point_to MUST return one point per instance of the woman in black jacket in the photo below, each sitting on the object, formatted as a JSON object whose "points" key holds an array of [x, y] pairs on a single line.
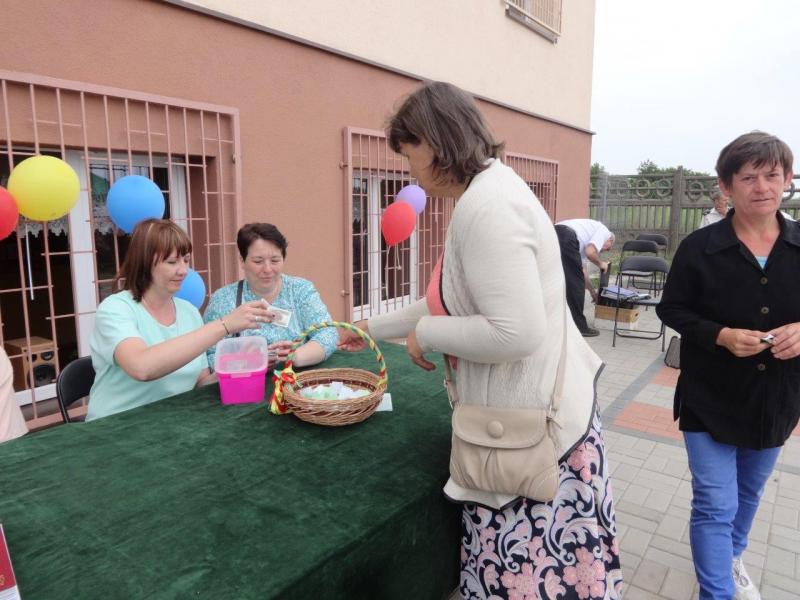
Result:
{"points": [[734, 296]]}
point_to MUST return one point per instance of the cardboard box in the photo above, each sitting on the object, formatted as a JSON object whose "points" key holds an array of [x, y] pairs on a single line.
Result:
{"points": [[626, 315]]}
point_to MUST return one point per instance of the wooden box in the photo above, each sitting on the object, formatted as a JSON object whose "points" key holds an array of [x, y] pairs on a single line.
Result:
{"points": [[626, 315]]}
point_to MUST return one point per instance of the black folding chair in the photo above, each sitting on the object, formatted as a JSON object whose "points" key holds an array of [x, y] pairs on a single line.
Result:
{"points": [[650, 266], [74, 383], [641, 247], [659, 238]]}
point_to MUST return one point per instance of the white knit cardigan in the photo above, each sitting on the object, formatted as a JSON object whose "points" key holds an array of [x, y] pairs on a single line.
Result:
{"points": [[503, 285]]}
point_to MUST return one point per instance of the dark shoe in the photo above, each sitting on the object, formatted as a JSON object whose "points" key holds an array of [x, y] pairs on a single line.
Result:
{"points": [[590, 332]]}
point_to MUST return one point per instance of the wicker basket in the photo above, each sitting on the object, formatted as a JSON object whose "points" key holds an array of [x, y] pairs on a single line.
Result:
{"points": [[287, 396]]}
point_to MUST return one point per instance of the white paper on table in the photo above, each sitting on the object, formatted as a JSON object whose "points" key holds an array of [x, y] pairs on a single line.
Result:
{"points": [[386, 403]]}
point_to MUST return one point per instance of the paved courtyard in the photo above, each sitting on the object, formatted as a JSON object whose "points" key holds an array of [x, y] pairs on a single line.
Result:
{"points": [[651, 481]]}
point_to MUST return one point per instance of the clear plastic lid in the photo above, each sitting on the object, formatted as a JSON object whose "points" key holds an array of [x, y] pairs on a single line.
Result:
{"points": [[241, 354]]}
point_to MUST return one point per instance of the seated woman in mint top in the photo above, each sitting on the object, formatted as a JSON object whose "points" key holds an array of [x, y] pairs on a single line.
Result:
{"points": [[262, 248], [147, 344]]}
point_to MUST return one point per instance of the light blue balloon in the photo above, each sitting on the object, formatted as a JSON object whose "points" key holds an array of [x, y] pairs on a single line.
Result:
{"points": [[193, 289], [132, 199]]}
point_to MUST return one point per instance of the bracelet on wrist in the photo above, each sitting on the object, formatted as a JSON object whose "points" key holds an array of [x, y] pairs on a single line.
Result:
{"points": [[227, 331]]}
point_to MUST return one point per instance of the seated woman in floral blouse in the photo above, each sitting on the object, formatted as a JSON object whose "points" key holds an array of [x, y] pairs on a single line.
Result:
{"points": [[262, 248]]}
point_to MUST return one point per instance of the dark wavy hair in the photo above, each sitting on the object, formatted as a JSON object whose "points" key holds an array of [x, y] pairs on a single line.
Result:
{"points": [[448, 119], [756, 147], [259, 231]]}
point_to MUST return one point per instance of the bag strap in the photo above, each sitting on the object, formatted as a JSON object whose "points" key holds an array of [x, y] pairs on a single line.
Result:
{"points": [[239, 293], [558, 390]]}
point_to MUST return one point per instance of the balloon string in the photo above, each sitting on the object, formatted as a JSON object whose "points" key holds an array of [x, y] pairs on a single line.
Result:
{"points": [[28, 256]]}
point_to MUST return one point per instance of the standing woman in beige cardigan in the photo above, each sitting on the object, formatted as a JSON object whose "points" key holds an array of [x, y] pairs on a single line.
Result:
{"points": [[496, 304]]}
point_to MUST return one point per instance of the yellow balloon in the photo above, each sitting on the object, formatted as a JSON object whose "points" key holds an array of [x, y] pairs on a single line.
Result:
{"points": [[45, 187]]}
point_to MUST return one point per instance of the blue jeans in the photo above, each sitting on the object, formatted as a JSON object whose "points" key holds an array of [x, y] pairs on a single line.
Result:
{"points": [[727, 483]]}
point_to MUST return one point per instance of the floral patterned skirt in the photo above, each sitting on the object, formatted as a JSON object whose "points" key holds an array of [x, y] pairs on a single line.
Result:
{"points": [[563, 549]]}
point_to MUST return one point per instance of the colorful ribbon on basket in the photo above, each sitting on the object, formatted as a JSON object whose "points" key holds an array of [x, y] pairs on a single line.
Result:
{"points": [[288, 377]]}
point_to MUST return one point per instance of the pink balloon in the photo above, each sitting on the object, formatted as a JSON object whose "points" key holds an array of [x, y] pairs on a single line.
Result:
{"points": [[9, 213], [398, 222], [413, 195]]}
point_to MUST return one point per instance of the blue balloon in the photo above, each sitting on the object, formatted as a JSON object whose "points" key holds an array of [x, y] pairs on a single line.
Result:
{"points": [[193, 289], [132, 199]]}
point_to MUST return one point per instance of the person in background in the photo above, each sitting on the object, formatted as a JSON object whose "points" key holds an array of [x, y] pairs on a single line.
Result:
{"points": [[147, 344], [294, 300], [719, 211], [582, 240], [496, 306], [12, 423], [734, 296]]}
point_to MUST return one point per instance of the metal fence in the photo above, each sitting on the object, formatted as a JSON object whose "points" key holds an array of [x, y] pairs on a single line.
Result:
{"points": [[672, 205]]}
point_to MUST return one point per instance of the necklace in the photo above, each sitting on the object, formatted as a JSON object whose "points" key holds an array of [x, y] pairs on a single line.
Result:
{"points": [[164, 317]]}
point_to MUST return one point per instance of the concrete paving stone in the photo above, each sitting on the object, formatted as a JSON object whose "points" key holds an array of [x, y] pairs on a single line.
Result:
{"points": [[752, 559], [629, 563], [658, 500], [790, 481], [671, 527], [672, 548], [676, 468], [781, 582], [635, 541], [787, 502], [780, 561], [764, 511], [760, 531], [632, 592], [634, 521], [670, 451], [640, 510], [645, 446], [655, 463], [755, 547], [625, 471], [680, 508], [755, 574], [628, 460], [649, 576], [678, 585], [636, 494], [785, 515], [784, 492], [659, 481], [785, 543], [769, 592], [684, 489], [671, 561]]}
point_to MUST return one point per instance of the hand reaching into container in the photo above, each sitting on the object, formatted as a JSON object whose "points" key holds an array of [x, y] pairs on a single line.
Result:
{"points": [[247, 316]]}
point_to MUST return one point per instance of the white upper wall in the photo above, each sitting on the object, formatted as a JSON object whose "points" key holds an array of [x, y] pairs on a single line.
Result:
{"points": [[471, 43]]}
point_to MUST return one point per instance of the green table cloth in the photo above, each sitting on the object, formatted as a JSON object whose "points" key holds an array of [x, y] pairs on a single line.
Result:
{"points": [[186, 498]]}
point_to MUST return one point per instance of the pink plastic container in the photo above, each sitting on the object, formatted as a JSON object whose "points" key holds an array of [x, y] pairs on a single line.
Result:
{"points": [[241, 365]]}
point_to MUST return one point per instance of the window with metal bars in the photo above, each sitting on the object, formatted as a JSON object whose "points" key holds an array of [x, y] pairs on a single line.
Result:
{"points": [[540, 174], [53, 275]]}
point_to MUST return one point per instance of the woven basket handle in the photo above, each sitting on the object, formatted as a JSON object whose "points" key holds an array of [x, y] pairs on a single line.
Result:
{"points": [[287, 375]]}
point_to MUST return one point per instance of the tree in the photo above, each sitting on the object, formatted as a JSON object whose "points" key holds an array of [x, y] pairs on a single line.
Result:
{"points": [[648, 167], [597, 168]]}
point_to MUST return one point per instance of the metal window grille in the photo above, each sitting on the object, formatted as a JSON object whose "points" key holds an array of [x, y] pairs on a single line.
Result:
{"points": [[54, 274], [544, 13], [379, 278], [540, 174]]}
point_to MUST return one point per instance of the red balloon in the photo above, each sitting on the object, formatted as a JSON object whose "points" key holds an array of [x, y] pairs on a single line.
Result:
{"points": [[398, 222], [9, 213]]}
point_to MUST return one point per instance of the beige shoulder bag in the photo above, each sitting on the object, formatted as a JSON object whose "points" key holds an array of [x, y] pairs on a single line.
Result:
{"points": [[506, 450]]}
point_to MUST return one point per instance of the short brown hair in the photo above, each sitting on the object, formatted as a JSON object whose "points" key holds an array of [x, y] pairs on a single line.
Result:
{"points": [[447, 118], [259, 231], [152, 241], [756, 147]]}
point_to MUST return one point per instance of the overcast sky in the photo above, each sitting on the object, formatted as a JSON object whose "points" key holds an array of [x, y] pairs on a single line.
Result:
{"points": [[676, 81]]}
